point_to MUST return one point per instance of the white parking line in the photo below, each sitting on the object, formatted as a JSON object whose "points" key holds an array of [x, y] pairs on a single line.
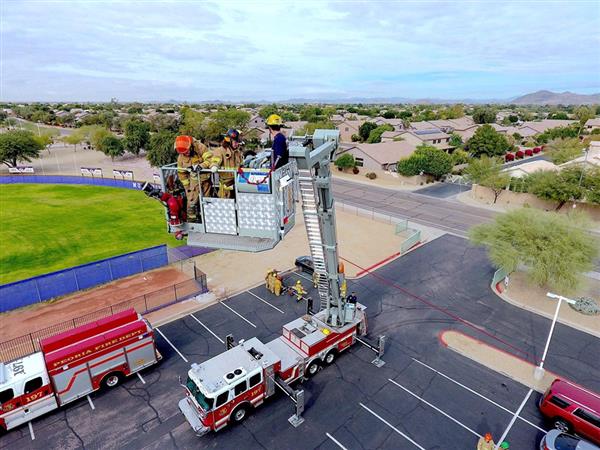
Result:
{"points": [[31, 433], [91, 402], [336, 441], [171, 344], [264, 301], [140, 377], [514, 418], [436, 408], [237, 314], [207, 329], [478, 394], [393, 427]]}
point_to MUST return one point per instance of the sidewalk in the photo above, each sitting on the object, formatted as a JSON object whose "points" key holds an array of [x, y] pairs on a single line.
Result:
{"points": [[532, 298], [383, 180]]}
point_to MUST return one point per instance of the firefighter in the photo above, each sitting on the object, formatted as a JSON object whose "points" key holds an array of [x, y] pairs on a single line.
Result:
{"points": [[189, 159], [352, 298], [228, 156], [277, 285], [486, 442], [343, 288], [269, 280], [280, 153], [299, 290]]}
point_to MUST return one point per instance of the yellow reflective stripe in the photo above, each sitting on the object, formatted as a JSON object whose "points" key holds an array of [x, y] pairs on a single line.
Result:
{"points": [[185, 181]]}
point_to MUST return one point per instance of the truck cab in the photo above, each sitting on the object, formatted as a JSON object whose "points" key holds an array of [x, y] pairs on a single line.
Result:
{"points": [[225, 388], [25, 391]]}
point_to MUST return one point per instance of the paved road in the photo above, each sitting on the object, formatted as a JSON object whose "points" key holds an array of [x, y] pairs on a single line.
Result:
{"points": [[518, 162], [448, 215], [352, 402]]}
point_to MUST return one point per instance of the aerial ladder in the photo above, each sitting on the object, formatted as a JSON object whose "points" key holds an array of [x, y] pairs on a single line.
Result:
{"points": [[224, 388]]}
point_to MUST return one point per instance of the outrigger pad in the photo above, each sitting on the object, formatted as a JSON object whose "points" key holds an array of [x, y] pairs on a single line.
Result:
{"points": [[230, 242]]}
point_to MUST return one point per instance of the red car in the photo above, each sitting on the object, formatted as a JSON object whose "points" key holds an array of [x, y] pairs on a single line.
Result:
{"points": [[571, 408]]}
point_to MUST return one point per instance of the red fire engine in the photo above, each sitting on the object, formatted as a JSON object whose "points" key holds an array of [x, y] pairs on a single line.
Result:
{"points": [[225, 388], [73, 364]]}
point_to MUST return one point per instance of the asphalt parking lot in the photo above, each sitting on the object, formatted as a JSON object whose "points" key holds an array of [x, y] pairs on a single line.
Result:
{"points": [[426, 396]]}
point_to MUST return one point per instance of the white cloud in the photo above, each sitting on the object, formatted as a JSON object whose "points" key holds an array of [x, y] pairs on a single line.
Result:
{"points": [[151, 50]]}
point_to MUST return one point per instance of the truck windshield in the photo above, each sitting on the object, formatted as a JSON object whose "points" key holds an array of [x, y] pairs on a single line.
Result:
{"points": [[205, 402]]}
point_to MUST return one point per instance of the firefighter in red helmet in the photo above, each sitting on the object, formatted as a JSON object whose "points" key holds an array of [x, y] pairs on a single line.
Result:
{"points": [[189, 160]]}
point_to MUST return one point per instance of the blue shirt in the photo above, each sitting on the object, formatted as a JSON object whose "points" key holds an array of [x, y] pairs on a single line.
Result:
{"points": [[280, 154]]}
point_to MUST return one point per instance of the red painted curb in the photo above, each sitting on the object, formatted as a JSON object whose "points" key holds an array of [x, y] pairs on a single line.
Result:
{"points": [[374, 266]]}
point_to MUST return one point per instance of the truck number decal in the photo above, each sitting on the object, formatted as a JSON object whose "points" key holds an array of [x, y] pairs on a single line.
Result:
{"points": [[18, 368]]}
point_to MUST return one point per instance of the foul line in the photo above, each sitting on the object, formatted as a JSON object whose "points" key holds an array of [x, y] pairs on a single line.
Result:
{"points": [[436, 408], [264, 301], [393, 427], [336, 441], [237, 314], [514, 418], [207, 329], [477, 394], [171, 344]]}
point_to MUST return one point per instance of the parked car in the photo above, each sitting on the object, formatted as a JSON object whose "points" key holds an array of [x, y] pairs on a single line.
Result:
{"points": [[557, 440], [305, 264], [571, 408]]}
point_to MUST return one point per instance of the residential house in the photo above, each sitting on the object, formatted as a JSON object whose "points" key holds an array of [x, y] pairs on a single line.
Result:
{"points": [[347, 128], [590, 160], [256, 122], [592, 124], [546, 124], [387, 136], [382, 156], [293, 126]]}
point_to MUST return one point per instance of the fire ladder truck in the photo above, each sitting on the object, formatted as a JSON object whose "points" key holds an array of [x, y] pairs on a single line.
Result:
{"points": [[227, 387], [73, 364]]}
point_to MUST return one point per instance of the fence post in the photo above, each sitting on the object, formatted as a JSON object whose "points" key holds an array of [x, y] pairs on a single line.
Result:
{"points": [[37, 289]]}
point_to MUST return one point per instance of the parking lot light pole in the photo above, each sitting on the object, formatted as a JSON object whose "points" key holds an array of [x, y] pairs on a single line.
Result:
{"points": [[538, 372]]}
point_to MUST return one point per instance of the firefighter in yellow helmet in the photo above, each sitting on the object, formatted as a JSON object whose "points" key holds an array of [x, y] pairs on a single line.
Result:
{"points": [[189, 160], [228, 156], [280, 153], [299, 290]]}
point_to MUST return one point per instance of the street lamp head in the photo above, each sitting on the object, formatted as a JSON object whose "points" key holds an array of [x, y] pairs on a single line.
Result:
{"points": [[560, 297]]}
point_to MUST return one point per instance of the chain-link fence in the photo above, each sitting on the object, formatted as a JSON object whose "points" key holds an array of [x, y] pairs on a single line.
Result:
{"points": [[45, 287], [143, 304]]}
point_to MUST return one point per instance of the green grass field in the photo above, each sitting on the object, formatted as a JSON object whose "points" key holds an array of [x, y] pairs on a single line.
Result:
{"points": [[44, 228]]}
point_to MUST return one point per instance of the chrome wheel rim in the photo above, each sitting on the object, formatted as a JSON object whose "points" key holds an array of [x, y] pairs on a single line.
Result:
{"points": [[112, 381]]}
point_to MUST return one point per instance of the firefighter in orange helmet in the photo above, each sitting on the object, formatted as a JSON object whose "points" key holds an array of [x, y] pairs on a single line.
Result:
{"points": [[228, 156], [189, 160], [486, 442]]}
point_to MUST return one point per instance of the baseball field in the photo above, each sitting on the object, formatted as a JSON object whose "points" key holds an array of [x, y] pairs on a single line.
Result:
{"points": [[44, 228]]}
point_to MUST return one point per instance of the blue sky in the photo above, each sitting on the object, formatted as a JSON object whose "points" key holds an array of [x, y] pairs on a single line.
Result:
{"points": [[276, 50]]}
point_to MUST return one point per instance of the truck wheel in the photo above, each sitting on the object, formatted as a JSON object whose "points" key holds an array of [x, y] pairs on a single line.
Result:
{"points": [[330, 357], [240, 413], [112, 380], [561, 425], [312, 369]]}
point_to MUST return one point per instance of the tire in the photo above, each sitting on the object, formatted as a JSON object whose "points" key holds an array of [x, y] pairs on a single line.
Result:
{"points": [[240, 413], [112, 380], [561, 425], [330, 357], [312, 369]]}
